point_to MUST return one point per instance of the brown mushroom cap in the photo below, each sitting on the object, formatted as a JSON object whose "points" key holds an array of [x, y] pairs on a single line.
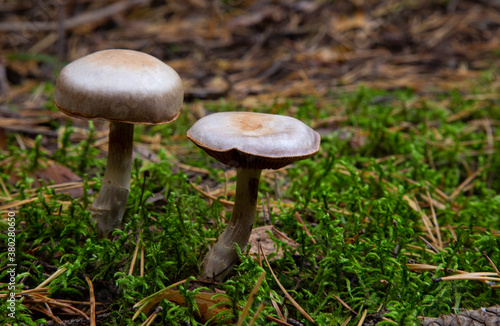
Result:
{"points": [[254, 140], [120, 85]]}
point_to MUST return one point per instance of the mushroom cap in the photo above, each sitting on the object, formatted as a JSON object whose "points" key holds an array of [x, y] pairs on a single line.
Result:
{"points": [[254, 140], [120, 85]]}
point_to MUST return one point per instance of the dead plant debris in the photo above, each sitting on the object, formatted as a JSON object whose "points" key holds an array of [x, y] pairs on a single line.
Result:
{"points": [[483, 316], [259, 51]]}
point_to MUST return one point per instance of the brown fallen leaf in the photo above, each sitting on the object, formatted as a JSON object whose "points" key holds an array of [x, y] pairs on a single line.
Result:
{"points": [[206, 303], [209, 304], [54, 173], [261, 234]]}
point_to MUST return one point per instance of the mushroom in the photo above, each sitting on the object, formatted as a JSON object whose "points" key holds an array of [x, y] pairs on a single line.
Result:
{"points": [[250, 142], [124, 87]]}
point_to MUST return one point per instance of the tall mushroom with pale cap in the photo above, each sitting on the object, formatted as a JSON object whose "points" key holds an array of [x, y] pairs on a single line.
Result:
{"points": [[249, 142], [124, 87]]}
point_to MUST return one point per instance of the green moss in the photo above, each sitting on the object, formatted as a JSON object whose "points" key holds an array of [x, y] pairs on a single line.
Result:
{"points": [[394, 149]]}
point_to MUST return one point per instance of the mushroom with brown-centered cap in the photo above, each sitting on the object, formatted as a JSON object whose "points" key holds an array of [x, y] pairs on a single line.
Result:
{"points": [[249, 142], [125, 87]]}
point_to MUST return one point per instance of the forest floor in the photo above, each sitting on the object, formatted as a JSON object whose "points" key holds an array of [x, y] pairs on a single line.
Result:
{"points": [[395, 221]]}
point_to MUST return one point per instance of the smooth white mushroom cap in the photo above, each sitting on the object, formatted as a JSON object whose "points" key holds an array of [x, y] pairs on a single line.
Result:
{"points": [[254, 140], [120, 85]]}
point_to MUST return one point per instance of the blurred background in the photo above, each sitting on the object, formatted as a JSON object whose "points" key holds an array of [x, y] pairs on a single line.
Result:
{"points": [[261, 51]]}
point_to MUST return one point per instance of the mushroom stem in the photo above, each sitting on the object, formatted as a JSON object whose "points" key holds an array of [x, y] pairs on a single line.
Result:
{"points": [[109, 206], [222, 256]]}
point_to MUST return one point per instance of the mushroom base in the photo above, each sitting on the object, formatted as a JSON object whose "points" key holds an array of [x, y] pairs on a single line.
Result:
{"points": [[108, 208], [223, 255]]}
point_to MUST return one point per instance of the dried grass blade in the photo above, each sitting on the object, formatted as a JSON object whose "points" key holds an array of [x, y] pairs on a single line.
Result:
{"points": [[192, 168], [52, 277], [389, 320], [136, 250], [428, 244], [142, 261], [346, 321], [463, 277], [21, 203], [92, 301], [79, 302], [251, 297], [144, 302], [152, 317], [257, 314], [277, 321], [47, 312], [206, 194], [421, 267], [421, 248], [345, 304], [276, 306], [493, 265], [37, 289], [287, 295], [60, 304], [304, 226], [436, 225], [5, 190], [363, 316], [425, 220], [479, 276], [466, 182]]}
